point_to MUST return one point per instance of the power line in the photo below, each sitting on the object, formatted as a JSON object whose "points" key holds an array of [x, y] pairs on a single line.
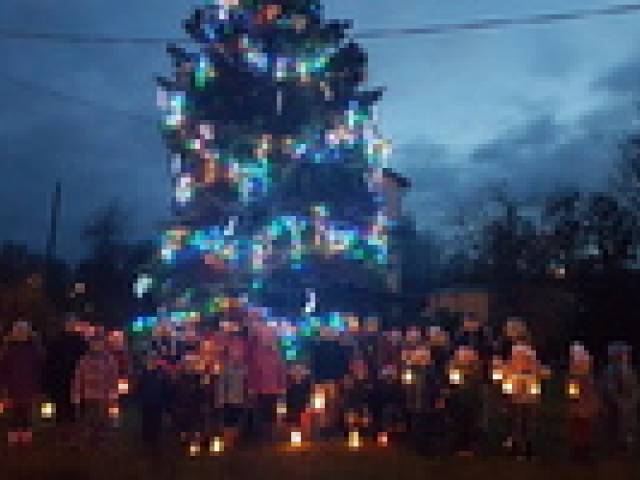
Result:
{"points": [[498, 23], [60, 95], [376, 33]]}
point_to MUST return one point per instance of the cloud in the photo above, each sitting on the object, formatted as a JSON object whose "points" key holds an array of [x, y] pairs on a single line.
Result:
{"points": [[97, 153], [440, 179], [100, 155], [552, 54], [622, 80], [532, 159]]}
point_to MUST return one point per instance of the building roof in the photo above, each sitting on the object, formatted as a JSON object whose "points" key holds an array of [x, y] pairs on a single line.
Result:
{"points": [[401, 180]]}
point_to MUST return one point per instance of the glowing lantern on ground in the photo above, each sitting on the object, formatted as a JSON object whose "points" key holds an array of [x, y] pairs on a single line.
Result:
{"points": [[48, 410], [296, 438], [383, 439], [194, 449], [354, 441], [573, 390], [216, 445]]}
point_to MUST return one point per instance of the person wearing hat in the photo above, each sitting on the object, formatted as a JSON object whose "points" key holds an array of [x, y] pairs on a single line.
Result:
{"points": [[621, 395], [20, 377]]}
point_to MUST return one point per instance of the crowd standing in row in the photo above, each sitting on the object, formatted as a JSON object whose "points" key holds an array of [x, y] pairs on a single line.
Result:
{"points": [[440, 392]]}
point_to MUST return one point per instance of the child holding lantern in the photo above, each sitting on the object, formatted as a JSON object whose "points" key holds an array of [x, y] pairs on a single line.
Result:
{"points": [[465, 379], [522, 385], [584, 404]]}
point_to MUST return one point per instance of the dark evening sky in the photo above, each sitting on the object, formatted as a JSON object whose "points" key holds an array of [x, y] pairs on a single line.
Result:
{"points": [[537, 106]]}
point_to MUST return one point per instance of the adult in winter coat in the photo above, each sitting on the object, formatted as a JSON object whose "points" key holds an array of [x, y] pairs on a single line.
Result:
{"points": [[62, 356], [20, 377]]}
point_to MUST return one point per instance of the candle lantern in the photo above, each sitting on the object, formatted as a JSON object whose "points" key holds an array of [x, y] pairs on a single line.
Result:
{"points": [[573, 390], [507, 387], [318, 400], [296, 438], [455, 376], [194, 449], [216, 445], [281, 408], [48, 410], [123, 386], [408, 377], [535, 387], [354, 440], [114, 414]]}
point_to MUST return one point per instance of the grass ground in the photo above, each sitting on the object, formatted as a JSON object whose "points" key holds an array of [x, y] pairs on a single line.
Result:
{"points": [[326, 461], [121, 458]]}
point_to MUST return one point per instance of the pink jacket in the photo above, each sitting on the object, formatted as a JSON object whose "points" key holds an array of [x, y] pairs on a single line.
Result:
{"points": [[96, 378], [267, 374]]}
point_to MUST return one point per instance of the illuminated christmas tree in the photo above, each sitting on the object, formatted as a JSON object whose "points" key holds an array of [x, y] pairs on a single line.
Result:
{"points": [[277, 169]]}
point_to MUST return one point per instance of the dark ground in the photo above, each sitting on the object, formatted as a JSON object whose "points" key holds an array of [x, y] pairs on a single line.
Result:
{"points": [[122, 458], [327, 461]]}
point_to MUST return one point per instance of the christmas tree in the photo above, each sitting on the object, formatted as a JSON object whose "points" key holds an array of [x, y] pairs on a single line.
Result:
{"points": [[277, 169]]}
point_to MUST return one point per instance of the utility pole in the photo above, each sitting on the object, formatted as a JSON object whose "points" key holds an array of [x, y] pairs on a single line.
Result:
{"points": [[53, 223]]}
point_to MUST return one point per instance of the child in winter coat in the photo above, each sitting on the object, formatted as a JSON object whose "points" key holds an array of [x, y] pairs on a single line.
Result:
{"points": [[95, 389], [266, 379], [465, 379], [522, 386], [584, 403], [621, 395], [154, 396], [231, 392]]}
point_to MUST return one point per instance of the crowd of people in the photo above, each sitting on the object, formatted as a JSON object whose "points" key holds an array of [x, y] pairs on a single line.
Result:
{"points": [[441, 392]]}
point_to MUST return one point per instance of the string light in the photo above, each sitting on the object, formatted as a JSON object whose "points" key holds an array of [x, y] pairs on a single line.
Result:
{"points": [[245, 171]]}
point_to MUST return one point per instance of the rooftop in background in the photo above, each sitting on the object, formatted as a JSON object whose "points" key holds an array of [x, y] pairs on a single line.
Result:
{"points": [[401, 181]]}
